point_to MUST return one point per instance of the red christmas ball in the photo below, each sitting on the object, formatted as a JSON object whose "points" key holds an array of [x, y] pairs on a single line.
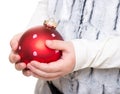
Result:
{"points": [[32, 46]]}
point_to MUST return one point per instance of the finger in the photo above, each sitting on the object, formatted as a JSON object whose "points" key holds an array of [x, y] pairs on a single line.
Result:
{"points": [[45, 78], [14, 44], [49, 68], [14, 57], [20, 66], [27, 72], [14, 41], [42, 73], [57, 44]]}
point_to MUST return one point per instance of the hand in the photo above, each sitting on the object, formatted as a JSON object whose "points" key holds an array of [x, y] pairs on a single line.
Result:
{"points": [[56, 69], [14, 57]]}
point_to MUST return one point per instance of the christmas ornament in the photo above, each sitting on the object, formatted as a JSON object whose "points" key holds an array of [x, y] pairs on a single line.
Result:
{"points": [[32, 44]]}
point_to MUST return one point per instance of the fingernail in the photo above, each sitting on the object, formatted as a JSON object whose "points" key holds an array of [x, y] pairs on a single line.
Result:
{"points": [[33, 62], [48, 42], [29, 65]]}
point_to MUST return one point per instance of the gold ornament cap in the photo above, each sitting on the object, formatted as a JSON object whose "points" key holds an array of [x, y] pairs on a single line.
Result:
{"points": [[50, 23]]}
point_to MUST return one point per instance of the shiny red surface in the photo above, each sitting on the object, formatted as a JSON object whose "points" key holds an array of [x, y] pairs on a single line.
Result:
{"points": [[32, 45]]}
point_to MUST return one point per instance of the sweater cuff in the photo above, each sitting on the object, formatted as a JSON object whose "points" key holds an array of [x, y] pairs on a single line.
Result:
{"points": [[97, 54], [80, 53]]}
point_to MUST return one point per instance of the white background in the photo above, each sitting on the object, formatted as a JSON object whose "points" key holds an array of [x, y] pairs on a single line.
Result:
{"points": [[14, 17]]}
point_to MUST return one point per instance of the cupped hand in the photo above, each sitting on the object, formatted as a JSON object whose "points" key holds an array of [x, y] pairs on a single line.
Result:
{"points": [[15, 58], [56, 69]]}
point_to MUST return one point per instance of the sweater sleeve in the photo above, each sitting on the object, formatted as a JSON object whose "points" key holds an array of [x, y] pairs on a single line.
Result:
{"points": [[97, 54], [40, 14]]}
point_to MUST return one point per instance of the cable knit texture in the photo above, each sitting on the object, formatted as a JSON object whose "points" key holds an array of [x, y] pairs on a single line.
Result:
{"points": [[92, 20]]}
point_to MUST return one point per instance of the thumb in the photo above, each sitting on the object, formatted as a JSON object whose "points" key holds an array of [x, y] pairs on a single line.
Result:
{"points": [[56, 44]]}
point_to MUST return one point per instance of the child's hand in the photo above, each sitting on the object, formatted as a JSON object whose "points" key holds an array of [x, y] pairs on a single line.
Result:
{"points": [[56, 69], [45, 71], [14, 57]]}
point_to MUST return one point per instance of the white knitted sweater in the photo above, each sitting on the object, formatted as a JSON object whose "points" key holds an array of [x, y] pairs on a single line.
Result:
{"points": [[90, 20]]}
